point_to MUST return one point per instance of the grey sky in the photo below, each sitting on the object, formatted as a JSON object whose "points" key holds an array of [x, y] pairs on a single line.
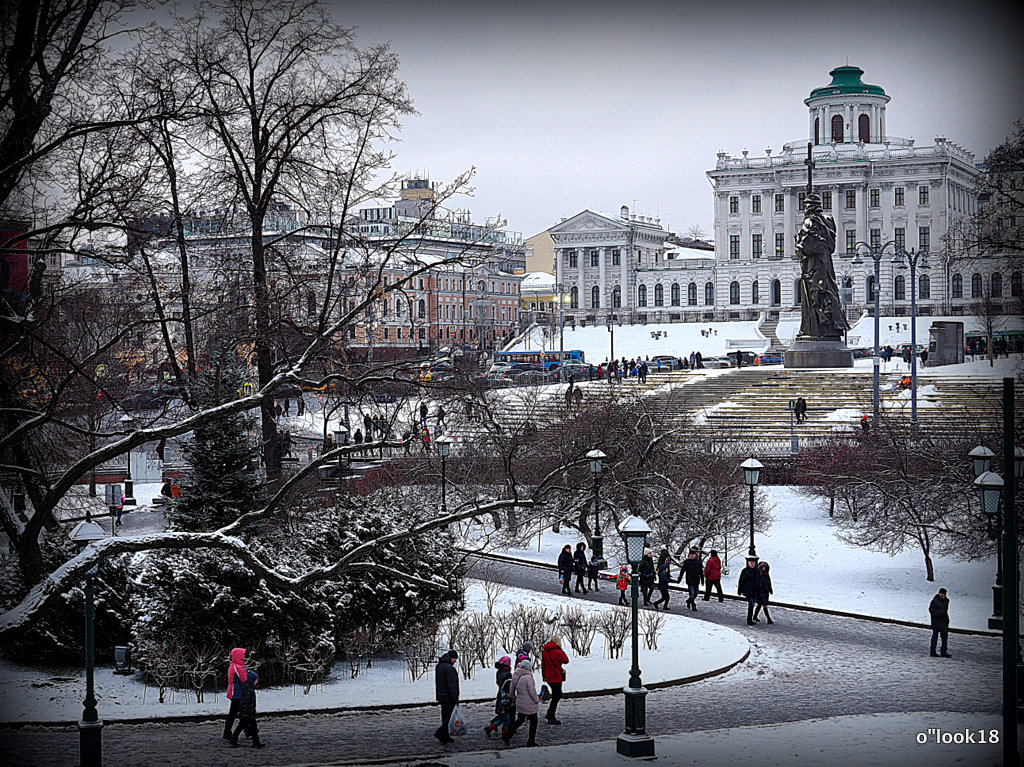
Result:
{"points": [[564, 106]]}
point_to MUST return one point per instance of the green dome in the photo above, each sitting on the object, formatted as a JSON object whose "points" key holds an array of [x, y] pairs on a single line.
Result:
{"points": [[847, 80]]}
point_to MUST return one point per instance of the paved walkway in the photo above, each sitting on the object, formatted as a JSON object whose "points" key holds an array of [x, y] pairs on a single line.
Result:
{"points": [[806, 666]]}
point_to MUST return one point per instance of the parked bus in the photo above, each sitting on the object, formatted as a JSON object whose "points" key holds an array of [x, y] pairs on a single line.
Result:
{"points": [[549, 359]]}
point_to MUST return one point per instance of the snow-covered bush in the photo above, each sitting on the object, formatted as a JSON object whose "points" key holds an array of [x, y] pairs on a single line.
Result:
{"points": [[614, 624], [579, 628]]}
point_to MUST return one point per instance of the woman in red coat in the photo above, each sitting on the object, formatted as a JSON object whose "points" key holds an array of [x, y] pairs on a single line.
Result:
{"points": [[552, 660], [713, 576]]}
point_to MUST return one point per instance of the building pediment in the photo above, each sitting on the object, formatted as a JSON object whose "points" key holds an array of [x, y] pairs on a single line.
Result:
{"points": [[587, 221]]}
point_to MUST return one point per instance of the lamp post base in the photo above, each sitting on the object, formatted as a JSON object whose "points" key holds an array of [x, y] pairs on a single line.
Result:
{"points": [[597, 546], [635, 746], [90, 743]]}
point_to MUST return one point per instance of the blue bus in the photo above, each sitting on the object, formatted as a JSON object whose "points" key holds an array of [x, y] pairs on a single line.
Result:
{"points": [[549, 359]]}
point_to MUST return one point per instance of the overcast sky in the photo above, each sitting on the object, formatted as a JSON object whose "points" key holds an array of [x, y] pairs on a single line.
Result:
{"points": [[563, 106]]}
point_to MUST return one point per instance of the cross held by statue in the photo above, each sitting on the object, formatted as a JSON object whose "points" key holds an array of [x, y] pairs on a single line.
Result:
{"points": [[809, 162]]}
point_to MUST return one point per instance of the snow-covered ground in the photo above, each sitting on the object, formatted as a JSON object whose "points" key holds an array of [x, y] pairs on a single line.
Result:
{"points": [[685, 648], [874, 740]]}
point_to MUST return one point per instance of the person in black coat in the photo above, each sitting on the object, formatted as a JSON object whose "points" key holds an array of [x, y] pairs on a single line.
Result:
{"points": [[446, 689], [247, 712], [748, 587], [646, 571], [579, 566], [939, 611], [693, 571], [764, 588], [800, 409], [565, 568]]}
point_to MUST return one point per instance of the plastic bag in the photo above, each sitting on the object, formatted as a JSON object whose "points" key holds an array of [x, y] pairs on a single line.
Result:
{"points": [[457, 724]]}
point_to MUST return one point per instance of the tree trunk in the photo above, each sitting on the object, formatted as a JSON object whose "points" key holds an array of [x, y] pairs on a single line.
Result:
{"points": [[264, 362]]}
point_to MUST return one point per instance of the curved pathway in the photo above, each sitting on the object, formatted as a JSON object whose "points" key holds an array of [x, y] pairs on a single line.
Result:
{"points": [[806, 666]]}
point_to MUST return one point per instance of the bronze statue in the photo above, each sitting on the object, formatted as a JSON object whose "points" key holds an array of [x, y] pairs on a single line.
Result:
{"points": [[821, 311]]}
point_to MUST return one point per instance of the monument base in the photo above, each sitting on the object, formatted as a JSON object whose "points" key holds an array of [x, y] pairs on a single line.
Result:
{"points": [[818, 353]]}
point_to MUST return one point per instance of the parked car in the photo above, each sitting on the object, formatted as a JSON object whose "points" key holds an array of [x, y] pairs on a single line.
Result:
{"points": [[719, 362], [667, 362], [499, 382], [747, 357], [861, 353], [579, 371], [768, 358], [534, 378]]}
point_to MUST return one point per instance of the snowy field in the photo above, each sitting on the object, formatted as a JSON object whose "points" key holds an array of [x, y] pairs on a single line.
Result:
{"points": [[686, 648]]}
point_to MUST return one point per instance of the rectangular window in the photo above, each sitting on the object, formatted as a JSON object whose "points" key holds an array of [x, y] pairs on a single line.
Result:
{"points": [[922, 195], [780, 244], [901, 237], [755, 204], [800, 200], [734, 246], [572, 259], [594, 258], [387, 333], [851, 240], [851, 199], [826, 200], [873, 198], [616, 258], [734, 205], [924, 237], [898, 200], [756, 245], [398, 334], [780, 203], [876, 238]]}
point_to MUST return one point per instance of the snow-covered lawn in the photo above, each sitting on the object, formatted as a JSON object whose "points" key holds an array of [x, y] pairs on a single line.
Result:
{"points": [[686, 648]]}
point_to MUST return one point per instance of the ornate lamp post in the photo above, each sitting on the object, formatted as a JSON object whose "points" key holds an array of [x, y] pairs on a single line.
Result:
{"points": [[634, 740], [981, 461], [90, 728], [596, 458], [876, 256], [913, 259], [129, 488], [751, 474], [444, 447]]}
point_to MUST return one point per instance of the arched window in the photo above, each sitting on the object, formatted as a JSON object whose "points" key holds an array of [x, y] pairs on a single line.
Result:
{"points": [[1016, 286], [976, 286], [659, 295], [734, 292], [616, 297], [755, 293], [709, 294], [996, 282], [422, 308], [899, 288], [924, 287], [641, 296], [675, 294], [311, 305], [817, 130], [595, 297], [837, 129], [691, 294], [574, 298], [864, 128], [958, 286], [776, 293], [869, 288]]}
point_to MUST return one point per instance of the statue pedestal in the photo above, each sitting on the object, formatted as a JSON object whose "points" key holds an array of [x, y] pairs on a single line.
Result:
{"points": [[818, 353]]}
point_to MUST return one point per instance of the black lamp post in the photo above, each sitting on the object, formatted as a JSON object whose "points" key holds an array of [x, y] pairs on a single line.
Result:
{"points": [[129, 487], [751, 474], [876, 256], [444, 447], [596, 458], [90, 728], [981, 461], [913, 259], [634, 740]]}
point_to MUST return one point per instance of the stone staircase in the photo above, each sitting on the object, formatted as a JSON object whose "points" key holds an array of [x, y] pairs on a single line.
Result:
{"points": [[768, 328]]}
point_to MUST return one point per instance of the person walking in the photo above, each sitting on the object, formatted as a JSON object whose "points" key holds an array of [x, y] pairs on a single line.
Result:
{"points": [[524, 652], [502, 678], [300, 406], [368, 427], [621, 583], [237, 674], [764, 589], [593, 572], [939, 611], [579, 566], [694, 575], [647, 573], [800, 409], [565, 564], [552, 659], [446, 692], [713, 576], [440, 417], [247, 713], [423, 413], [664, 574], [748, 587], [527, 702]]}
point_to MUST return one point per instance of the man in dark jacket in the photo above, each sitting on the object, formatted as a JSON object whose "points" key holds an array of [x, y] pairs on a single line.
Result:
{"points": [[646, 571], [565, 569], [939, 609], [749, 587], [446, 688], [579, 566], [694, 574], [713, 576]]}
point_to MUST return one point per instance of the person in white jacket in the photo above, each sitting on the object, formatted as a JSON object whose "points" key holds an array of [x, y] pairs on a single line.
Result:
{"points": [[524, 690]]}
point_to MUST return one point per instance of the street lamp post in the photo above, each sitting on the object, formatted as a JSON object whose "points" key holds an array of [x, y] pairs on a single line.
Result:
{"points": [[90, 728], [981, 461], [751, 474], [794, 444], [444, 446], [634, 740], [912, 259], [876, 256], [129, 488], [596, 458]]}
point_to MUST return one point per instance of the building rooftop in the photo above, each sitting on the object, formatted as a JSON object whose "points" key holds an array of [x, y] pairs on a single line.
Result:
{"points": [[846, 79]]}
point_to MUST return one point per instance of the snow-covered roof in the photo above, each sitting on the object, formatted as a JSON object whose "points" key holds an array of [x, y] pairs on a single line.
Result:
{"points": [[537, 281], [678, 252]]}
